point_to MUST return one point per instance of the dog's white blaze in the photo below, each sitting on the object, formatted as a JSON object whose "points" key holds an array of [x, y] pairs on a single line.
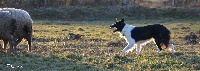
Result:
{"points": [[126, 34]]}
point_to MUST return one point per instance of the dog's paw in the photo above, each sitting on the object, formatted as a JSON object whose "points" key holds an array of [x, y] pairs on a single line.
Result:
{"points": [[122, 52]]}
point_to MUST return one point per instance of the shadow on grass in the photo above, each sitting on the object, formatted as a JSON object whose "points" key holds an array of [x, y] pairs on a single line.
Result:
{"points": [[31, 61], [117, 62], [190, 59]]}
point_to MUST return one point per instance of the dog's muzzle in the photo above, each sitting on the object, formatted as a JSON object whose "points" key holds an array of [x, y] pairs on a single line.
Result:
{"points": [[112, 26]]}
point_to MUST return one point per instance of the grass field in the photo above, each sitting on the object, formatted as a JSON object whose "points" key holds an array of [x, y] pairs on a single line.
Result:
{"points": [[99, 50]]}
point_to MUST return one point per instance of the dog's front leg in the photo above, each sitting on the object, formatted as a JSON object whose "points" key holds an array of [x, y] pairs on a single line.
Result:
{"points": [[171, 46], [128, 47], [131, 43], [158, 51]]}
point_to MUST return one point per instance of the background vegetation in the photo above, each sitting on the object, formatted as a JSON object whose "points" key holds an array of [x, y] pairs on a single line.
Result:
{"points": [[58, 3], [88, 13], [98, 49], [89, 10]]}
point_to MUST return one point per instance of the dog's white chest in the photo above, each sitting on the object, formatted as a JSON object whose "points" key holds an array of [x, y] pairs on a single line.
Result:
{"points": [[126, 32]]}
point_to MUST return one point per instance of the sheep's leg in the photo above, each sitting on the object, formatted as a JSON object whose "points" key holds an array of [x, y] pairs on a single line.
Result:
{"points": [[29, 45], [10, 50], [11, 47], [14, 46], [28, 30], [29, 42], [12, 42], [29, 39], [5, 44]]}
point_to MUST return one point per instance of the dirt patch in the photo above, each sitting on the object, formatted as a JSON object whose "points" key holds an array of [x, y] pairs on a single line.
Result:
{"points": [[115, 44], [73, 36], [185, 29], [41, 31], [81, 29], [97, 40], [64, 30], [198, 32], [191, 38]]}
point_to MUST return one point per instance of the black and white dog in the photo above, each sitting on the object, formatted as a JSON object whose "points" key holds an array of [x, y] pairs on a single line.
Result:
{"points": [[136, 37]]}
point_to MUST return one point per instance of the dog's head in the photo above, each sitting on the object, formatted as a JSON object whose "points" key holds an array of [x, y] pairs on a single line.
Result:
{"points": [[119, 25]]}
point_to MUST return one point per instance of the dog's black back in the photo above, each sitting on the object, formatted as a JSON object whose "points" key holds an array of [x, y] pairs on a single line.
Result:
{"points": [[160, 33], [150, 31]]}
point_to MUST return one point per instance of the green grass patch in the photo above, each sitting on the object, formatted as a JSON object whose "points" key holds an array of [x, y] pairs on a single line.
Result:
{"points": [[52, 50]]}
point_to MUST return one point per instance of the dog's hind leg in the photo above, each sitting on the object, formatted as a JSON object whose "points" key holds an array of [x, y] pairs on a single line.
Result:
{"points": [[171, 46], [139, 47]]}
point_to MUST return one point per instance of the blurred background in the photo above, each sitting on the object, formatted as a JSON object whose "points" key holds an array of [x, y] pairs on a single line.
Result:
{"points": [[74, 35], [88, 10]]}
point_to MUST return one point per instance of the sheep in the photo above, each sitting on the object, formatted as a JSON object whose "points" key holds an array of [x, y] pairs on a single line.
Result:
{"points": [[24, 26], [8, 29]]}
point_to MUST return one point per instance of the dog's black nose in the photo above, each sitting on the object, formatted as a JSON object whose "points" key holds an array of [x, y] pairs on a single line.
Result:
{"points": [[112, 25]]}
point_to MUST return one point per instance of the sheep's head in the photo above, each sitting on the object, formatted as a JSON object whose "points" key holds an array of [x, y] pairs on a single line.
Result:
{"points": [[28, 29]]}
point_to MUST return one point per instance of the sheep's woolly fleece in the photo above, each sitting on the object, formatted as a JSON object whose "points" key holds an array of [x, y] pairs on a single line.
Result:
{"points": [[22, 19], [7, 29], [6, 25]]}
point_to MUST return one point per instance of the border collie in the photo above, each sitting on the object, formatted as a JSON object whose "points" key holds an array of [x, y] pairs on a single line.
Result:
{"points": [[136, 37]]}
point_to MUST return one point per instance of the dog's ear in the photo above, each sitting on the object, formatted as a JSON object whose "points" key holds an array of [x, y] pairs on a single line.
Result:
{"points": [[122, 20]]}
